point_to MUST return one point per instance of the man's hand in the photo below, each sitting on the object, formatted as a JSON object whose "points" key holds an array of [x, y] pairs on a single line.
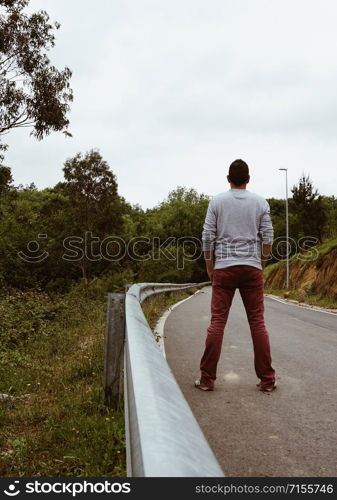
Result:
{"points": [[208, 256], [266, 251], [210, 274]]}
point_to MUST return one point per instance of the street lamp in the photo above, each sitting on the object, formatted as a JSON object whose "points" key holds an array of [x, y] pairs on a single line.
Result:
{"points": [[287, 226]]}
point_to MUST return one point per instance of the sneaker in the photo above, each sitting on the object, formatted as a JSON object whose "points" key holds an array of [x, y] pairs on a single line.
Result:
{"points": [[202, 387], [269, 388]]}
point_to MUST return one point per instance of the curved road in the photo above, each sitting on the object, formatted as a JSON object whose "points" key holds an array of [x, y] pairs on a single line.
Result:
{"points": [[290, 432]]}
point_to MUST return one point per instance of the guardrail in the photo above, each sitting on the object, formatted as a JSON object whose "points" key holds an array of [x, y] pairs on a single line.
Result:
{"points": [[163, 438]]}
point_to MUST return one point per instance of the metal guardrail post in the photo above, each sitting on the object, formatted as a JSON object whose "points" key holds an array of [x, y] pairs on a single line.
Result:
{"points": [[114, 348]]}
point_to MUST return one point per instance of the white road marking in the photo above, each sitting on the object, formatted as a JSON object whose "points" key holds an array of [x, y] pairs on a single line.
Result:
{"points": [[231, 377], [158, 330], [303, 306]]}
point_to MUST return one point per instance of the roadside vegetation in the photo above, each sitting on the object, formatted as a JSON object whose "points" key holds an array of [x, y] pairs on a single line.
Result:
{"points": [[52, 419], [310, 299], [312, 276]]}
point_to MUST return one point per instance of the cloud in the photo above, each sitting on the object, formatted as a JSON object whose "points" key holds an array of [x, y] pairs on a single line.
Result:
{"points": [[172, 91]]}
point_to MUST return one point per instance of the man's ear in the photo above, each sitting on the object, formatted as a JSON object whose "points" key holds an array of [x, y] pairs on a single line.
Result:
{"points": [[228, 179], [248, 179]]}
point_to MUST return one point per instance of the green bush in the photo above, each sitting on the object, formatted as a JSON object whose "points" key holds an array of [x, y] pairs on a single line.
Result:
{"points": [[25, 315]]}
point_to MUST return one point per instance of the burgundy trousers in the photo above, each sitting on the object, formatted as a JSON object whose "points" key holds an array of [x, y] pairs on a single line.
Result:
{"points": [[249, 281]]}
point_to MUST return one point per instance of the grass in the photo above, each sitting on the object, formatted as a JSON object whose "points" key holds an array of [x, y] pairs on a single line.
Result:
{"points": [[327, 246], [155, 305], [51, 362], [272, 267], [303, 294], [323, 249], [56, 425]]}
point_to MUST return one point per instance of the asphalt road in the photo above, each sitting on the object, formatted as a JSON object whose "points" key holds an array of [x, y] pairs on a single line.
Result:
{"points": [[290, 432]]}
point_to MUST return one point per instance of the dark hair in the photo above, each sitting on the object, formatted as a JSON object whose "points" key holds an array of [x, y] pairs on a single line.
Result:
{"points": [[238, 172]]}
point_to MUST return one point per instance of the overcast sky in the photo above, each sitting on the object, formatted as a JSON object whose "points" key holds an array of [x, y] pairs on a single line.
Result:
{"points": [[172, 91]]}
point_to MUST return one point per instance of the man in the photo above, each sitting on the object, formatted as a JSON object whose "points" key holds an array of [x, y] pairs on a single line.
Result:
{"points": [[238, 232]]}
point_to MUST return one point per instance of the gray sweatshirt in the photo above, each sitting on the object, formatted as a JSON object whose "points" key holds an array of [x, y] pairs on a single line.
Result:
{"points": [[236, 225]]}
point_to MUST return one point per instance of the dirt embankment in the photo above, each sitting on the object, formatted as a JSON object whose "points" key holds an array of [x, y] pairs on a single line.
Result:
{"points": [[318, 276]]}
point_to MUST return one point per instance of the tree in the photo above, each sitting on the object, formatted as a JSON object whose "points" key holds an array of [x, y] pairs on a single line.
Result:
{"points": [[20, 223], [330, 204], [33, 93], [181, 217], [181, 214], [94, 206], [92, 188], [310, 216], [5, 179], [7, 192]]}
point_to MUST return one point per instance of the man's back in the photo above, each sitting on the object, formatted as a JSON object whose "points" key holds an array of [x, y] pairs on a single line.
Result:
{"points": [[237, 222]]}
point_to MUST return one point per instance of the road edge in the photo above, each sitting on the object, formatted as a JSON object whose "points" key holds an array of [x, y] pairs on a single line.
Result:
{"points": [[292, 302], [158, 330]]}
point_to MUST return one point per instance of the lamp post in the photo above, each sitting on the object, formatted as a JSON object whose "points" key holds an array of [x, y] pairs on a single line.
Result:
{"points": [[287, 227]]}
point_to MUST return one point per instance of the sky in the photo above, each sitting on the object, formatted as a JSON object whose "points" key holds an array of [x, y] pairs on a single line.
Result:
{"points": [[171, 92]]}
